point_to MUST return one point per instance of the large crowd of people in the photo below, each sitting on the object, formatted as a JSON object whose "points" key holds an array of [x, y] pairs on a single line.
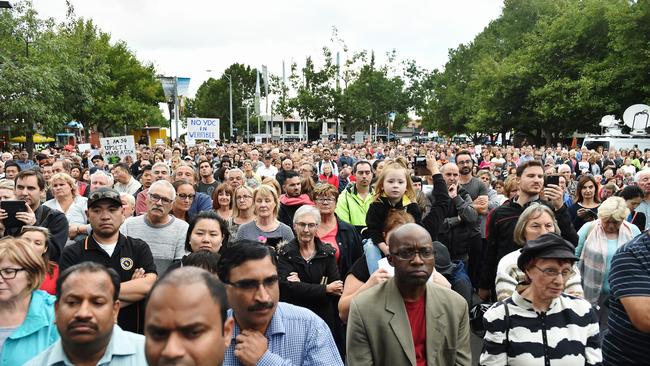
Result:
{"points": [[325, 253]]}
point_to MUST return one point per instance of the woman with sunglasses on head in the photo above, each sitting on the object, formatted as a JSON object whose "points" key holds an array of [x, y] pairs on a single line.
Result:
{"points": [[185, 194], [26, 313], [541, 325]]}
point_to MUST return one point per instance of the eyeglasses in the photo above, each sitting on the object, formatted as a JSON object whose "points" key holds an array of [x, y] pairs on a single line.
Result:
{"points": [[155, 198], [303, 225], [552, 273], [183, 196], [409, 254], [325, 200], [40, 229], [250, 285], [10, 273], [243, 198]]}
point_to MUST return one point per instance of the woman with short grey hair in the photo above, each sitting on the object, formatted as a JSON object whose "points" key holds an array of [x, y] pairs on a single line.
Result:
{"points": [[309, 276]]}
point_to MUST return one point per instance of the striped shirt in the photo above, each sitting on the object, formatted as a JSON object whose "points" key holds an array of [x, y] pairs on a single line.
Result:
{"points": [[629, 276], [567, 334], [510, 278]]}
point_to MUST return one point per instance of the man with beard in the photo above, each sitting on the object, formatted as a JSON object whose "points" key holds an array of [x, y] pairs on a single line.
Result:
{"points": [[30, 185], [130, 257], [502, 221], [460, 230], [353, 203], [86, 309], [480, 201], [408, 320], [164, 233], [292, 200], [266, 331], [186, 321], [207, 184]]}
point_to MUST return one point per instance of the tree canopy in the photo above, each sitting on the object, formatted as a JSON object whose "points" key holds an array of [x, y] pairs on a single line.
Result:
{"points": [[54, 73]]}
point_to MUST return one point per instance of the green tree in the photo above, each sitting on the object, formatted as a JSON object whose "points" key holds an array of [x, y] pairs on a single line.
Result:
{"points": [[212, 97]]}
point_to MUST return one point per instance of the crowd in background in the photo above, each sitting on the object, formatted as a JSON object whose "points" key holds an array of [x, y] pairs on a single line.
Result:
{"points": [[550, 235]]}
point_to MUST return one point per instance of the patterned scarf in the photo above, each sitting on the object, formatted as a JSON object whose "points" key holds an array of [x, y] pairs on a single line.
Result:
{"points": [[593, 259]]}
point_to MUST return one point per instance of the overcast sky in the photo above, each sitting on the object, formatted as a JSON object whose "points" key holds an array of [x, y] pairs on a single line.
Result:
{"points": [[188, 37]]}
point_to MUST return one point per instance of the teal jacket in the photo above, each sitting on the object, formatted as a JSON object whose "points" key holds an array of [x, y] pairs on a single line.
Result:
{"points": [[37, 332]]}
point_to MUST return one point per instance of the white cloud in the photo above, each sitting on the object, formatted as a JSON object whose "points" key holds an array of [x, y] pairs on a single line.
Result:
{"points": [[185, 38]]}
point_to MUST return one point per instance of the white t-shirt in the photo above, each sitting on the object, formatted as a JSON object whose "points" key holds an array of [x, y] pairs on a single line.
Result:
{"points": [[108, 248]]}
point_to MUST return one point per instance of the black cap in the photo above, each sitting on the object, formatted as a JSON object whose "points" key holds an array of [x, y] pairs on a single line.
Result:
{"points": [[548, 246], [268, 157], [443, 259], [97, 157], [104, 193]]}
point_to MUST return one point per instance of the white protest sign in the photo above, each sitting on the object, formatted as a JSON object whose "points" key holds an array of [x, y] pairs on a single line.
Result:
{"points": [[202, 129], [258, 139], [84, 147], [119, 146]]}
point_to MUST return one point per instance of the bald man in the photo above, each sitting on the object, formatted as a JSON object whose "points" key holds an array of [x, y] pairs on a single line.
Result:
{"points": [[438, 331]]}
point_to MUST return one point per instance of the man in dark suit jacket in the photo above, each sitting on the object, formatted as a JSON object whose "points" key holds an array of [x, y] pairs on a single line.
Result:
{"points": [[408, 319]]}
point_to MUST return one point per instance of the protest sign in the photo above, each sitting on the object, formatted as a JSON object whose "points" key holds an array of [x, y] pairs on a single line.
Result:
{"points": [[202, 129], [118, 147], [84, 147]]}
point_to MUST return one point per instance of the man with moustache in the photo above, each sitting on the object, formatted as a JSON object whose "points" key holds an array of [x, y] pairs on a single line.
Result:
{"points": [[86, 310], [408, 320], [164, 233], [130, 257], [268, 332], [502, 220], [186, 321], [159, 171]]}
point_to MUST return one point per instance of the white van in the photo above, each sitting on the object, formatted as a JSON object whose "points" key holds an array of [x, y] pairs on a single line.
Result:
{"points": [[618, 142]]}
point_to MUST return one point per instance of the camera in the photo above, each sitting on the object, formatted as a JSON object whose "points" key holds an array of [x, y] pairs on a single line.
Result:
{"points": [[420, 161]]}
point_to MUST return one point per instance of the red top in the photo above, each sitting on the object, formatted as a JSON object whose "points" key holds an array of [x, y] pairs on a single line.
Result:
{"points": [[417, 319], [49, 283], [330, 238], [332, 179]]}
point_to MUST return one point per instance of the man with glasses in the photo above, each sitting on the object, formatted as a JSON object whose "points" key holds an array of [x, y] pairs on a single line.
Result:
{"points": [[408, 320], [159, 171], [266, 331], [354, 201], [164, 233], [130, 257]]}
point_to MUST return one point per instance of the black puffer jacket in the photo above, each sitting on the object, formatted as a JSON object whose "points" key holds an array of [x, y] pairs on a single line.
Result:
{"points": [[314, 275], [500, 230], [460, 226], [350, 246]]}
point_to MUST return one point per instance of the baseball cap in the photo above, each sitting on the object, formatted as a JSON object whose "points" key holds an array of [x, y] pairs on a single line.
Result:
{"points": [[104, 194]]}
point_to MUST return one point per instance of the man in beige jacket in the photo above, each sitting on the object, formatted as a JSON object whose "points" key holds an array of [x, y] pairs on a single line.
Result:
{"points": [[408, 320]]}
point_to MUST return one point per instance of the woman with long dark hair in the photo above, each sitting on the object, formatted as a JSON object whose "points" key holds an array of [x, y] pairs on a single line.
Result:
{"points": [[585, 207]]}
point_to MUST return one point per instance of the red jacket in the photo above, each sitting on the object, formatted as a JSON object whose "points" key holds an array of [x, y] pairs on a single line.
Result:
{"points": [[332, 179]]}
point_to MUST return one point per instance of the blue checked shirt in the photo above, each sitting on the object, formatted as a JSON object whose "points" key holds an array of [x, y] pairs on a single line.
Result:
{"points": [[296, 337]]}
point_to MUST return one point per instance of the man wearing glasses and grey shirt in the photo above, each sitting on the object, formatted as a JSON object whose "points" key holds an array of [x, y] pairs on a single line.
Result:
{"points": [[164, 233]]}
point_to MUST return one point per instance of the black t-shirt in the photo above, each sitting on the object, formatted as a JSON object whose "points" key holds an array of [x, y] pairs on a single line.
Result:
{"points": [[360, 269], [129, 255]]}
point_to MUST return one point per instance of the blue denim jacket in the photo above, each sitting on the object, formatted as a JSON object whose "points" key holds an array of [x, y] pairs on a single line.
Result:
{"points": [[37, 332]]}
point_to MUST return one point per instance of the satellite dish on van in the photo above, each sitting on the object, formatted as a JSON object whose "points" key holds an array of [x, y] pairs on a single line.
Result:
{"points": [[636, 117], [608, 121]]}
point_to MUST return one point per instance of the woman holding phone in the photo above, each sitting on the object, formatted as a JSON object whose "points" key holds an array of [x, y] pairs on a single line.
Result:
{"points": [[585, 208]]}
